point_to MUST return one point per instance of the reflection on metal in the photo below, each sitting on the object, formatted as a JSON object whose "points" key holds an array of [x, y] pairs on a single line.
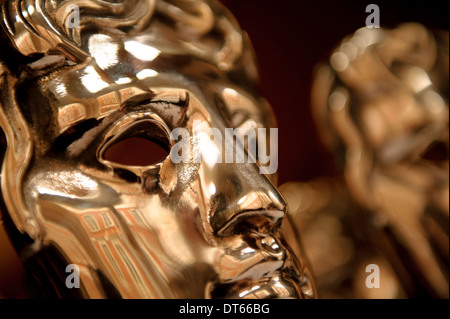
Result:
{"points": [[164, 230], [381, 106]]}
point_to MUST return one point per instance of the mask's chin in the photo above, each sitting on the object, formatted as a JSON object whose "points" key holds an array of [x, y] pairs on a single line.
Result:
{"points": [[273, 287]]}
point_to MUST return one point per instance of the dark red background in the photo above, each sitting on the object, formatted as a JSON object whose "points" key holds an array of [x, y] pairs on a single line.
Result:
{"points": [[290, 38]]}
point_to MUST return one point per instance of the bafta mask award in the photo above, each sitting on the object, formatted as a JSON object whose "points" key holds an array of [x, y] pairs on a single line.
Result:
{"points": [[196, 214]]}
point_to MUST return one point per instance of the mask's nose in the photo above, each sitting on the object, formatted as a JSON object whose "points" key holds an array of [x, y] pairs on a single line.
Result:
{"points": [[236, 198]]}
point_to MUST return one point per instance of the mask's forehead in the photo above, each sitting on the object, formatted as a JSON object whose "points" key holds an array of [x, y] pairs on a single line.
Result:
{"points": [[48, 25], [203, 28]]}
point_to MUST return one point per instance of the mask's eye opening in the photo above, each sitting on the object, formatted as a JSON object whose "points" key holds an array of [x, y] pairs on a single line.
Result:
{"points": [[137, 151], [138, 147]]}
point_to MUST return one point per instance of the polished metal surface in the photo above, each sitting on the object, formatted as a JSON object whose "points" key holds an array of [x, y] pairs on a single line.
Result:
{"points": [[89, 107], [381, 106], [149, 228]]}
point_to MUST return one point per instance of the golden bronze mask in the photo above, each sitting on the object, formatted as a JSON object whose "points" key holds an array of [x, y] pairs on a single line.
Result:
{"points": [[75, 89]]}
